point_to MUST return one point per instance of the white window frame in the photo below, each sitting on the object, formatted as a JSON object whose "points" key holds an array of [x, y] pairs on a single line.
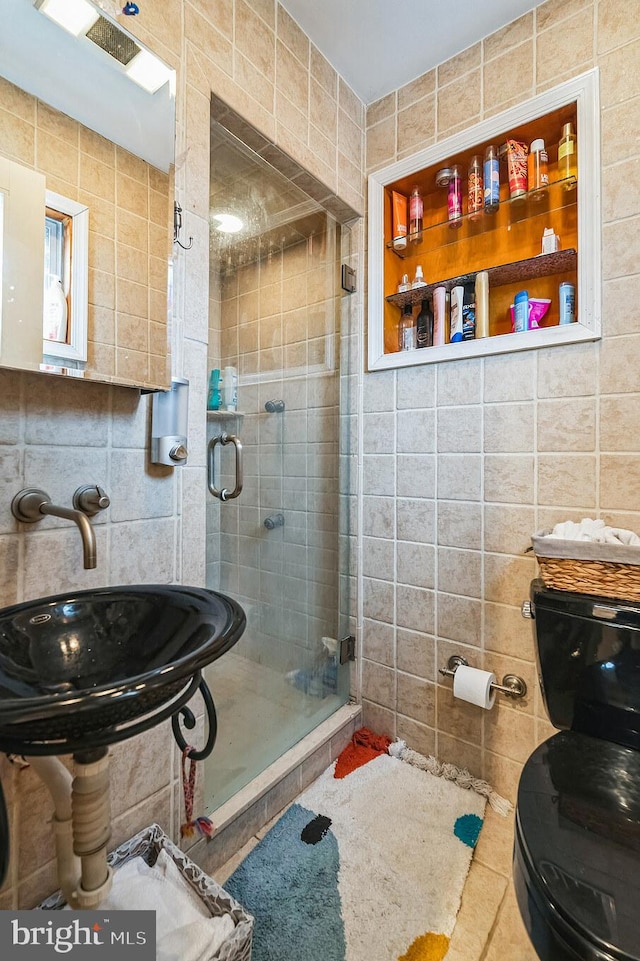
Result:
{"points": [[76, 348]]}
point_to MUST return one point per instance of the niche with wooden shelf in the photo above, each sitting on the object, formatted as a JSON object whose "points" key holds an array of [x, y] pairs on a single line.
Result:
{"points": [[507, 244]]}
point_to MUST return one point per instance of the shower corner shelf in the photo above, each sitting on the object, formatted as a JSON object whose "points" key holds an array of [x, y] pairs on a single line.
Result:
{"points": [[223, 414]]}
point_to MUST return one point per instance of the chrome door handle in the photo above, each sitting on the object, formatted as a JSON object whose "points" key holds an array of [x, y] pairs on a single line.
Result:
{"points": [[224, 439]]}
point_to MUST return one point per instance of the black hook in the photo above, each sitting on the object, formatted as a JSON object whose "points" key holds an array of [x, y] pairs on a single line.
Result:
{"points": [[177, 227], [189, 722]]}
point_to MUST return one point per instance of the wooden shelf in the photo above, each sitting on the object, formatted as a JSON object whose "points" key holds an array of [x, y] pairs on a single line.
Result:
{"points": [[541, 266]]}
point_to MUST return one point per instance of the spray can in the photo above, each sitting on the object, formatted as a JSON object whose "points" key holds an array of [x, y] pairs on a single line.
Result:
{"points": [[521, 311], [457, 298], [491, 180], [439, 315], [567, 298]]}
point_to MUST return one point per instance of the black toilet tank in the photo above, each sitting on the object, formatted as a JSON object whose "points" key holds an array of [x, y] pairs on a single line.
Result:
{"points": [[589, 663]]}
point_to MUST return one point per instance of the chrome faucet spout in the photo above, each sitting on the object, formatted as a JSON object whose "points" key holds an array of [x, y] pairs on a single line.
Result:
{"points": [[31, 505], [83, 524]]}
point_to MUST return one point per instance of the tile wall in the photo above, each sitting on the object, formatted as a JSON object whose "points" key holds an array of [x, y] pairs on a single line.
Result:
{"points": [[463, 461], [57, 435]]}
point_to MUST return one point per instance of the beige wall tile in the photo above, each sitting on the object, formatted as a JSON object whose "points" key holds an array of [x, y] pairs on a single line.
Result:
{"points": [[459, 619], [567, 425], [378, 642], [459, 429], [507, 530], [616, 296], [619, 80], [381, 109], [507, 632], [378, 600], [509, 733], [415, 520], [379, 684], [619, 480], [459, 524], [619, 423], [378, 558], [415, 654], [507, 579], [416, 124], [415, 564], [255, 41], [323, 72], [459, 101], [614, 18], [292, 36], [459, 383], [567, 480], [509, 478], [292, 77], [415, 609], [509, 77], [510, 36], [416, 475], [508, 428], [460, 571], [418, 737], [568, 372], [619, 139], [416, 90], [618, 365], [620, 197], [462, 63], [416, 698], [566, 46], [18, 137], [459, 476], [458, 718]]}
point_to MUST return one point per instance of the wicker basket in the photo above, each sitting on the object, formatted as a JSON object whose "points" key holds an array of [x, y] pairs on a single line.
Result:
{"points": [[147, 844], [584, 567]]}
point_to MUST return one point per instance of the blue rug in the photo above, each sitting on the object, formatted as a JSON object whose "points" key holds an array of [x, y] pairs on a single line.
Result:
{"points": [[369, 867]]}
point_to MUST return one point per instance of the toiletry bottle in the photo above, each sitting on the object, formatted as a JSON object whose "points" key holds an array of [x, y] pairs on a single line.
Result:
{"points": [[439, 316], [418, 280], [416, 209], [454, 203], [538, 170], [517, 167], [567, 298], [213, 398], [475, 192], [568, 157], [230, 388], [404, 284], [491, 180], [399, 220], [521, 311], [407, 329], [469, 312], [424, 326], [482, 304], [457, 297]]}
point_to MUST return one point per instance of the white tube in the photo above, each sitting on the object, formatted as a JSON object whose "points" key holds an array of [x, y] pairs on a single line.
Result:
{"points": [[58, 780]]}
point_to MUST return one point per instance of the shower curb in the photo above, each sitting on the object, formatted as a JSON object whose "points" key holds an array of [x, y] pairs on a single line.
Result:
{"points": [[243, 815]]}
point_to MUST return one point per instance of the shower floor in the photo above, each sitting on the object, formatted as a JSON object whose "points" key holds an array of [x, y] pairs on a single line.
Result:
{"points": [[260, 716]]}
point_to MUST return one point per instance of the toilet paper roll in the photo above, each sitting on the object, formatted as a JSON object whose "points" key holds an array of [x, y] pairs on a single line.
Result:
{"points": [[474, 686]]}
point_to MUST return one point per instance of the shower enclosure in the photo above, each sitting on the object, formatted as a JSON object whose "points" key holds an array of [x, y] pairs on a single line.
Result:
{"points": [[280, 547]]}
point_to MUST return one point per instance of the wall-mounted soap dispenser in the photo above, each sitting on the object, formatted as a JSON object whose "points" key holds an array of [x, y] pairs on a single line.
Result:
{"points": [[169, 419]]}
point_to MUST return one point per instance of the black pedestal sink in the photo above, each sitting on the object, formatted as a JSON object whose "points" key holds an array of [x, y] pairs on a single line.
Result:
{"points": [[87, 669]]}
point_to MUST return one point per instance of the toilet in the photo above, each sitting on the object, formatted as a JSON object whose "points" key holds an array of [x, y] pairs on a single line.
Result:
{"points": [[577, 836]]}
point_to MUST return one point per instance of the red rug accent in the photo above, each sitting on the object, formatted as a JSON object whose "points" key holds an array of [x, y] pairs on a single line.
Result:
{"points": [[364, 747]]}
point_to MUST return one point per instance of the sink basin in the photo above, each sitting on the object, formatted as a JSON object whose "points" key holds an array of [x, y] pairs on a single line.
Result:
{"points": [[90, 668]]}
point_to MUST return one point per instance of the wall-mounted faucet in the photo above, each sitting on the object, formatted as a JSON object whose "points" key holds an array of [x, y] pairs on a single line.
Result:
{"points": [[32, 504]]}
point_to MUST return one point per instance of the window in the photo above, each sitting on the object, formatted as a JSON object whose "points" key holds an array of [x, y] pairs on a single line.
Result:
{"points": [[65, 312]]}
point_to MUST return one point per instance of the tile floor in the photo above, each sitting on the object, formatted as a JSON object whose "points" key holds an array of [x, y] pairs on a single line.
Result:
{"points": [[489, 927]]}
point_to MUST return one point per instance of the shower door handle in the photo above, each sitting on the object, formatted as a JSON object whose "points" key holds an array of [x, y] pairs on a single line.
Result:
{"points": [[224, 439]]}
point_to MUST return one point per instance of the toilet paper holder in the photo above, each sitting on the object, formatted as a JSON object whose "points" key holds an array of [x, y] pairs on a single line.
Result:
{"points": [[512, 685]]}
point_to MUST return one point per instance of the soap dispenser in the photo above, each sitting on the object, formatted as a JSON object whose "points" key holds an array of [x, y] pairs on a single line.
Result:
{"points": [[169, 419]]}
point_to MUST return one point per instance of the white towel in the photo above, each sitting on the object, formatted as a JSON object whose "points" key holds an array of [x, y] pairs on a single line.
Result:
{"points": [[185, 931], [595, 531]]}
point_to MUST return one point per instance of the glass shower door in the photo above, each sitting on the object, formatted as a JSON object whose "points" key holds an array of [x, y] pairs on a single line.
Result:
{"points": [[280, 547]]}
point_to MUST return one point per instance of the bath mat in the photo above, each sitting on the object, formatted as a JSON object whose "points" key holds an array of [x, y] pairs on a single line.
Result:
{"points": [[369, 866]]}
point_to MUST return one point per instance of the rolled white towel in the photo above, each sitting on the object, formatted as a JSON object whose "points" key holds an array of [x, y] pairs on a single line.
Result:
{"points": [[594, 530]]}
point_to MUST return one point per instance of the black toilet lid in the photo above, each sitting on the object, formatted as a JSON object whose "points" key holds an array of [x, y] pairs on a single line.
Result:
{"points": [[578, 827]]}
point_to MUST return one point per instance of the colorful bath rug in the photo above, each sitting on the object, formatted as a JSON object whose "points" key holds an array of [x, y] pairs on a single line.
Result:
{"points": [[369, 866]]}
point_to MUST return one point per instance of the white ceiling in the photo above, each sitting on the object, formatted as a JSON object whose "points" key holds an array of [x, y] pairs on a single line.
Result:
{"points": [[378, 45]]}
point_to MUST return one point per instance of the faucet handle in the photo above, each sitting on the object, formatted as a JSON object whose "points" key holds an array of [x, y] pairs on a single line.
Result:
{"points": [[90, 499]]}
